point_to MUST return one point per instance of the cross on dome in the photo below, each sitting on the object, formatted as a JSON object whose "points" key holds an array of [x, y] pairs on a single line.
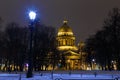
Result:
{"points": [[65, 21]]}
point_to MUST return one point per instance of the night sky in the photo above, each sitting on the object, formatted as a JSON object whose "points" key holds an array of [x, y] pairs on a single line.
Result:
{"points": [[85, 16]]}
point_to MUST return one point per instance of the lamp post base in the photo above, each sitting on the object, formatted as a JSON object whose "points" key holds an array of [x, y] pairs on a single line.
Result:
{"points": [[29, 74]]}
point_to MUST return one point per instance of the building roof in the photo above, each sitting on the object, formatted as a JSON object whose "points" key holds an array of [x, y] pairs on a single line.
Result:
{"points": [[65, 27]]}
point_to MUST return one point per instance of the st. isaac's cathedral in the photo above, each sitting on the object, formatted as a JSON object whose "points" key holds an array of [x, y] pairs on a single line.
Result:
{"points": [[74, 56]]}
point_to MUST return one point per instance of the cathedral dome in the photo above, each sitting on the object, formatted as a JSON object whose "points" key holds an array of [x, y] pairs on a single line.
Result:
{"points": [[65, 29], [65, 38]]}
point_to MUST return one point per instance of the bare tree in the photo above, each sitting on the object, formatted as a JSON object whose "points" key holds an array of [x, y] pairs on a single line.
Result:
{"points": [[106, 42]]}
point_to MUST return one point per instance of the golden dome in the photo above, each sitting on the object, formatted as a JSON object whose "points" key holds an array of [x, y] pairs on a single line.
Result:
{"points": [[65, 38], [65, 27]]}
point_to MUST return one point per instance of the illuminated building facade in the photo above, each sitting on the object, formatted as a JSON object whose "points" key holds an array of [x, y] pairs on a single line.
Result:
{"points": [[65, 38], [74, 57]]}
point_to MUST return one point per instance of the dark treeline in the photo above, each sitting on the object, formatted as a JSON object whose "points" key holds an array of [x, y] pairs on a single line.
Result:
{"points": [[14, 42], [104, 46]]}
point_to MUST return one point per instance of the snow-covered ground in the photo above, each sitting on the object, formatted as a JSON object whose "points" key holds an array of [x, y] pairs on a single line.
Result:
{"points": [[63, 75]]}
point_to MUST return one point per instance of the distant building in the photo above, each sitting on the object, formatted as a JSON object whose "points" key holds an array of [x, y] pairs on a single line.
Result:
{"points": [[74, 56]]}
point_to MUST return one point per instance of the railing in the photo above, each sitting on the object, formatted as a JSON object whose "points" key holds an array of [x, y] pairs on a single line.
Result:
{"points": [[64, 75]]}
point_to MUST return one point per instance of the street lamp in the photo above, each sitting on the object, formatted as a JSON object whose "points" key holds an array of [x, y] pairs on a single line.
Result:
{"points": [[93, 63], [32, 17]]}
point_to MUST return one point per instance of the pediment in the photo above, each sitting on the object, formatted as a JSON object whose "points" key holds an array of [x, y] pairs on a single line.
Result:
{"points": [[71, 53]]}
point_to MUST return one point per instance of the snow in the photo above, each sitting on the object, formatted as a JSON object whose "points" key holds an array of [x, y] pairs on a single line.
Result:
{"points": [[63, 75]]}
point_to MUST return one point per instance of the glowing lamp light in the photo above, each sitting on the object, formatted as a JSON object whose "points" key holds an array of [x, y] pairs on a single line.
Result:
{"points": [[27, 65], [93, 60], [32, 15]]}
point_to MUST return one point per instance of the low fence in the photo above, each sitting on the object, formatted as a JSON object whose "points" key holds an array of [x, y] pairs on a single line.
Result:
{"points": [[64, 75]]}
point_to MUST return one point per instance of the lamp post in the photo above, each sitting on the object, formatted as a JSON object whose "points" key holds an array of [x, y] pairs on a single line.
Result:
{"points": [[32, 16], [93, 64]]}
